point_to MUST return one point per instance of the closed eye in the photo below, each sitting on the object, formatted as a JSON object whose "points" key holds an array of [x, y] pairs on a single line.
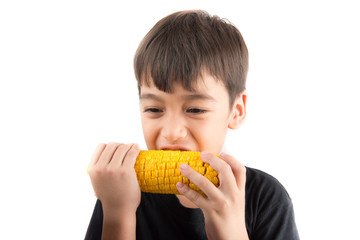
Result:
{"points": [[196, 110], [153, 110]]}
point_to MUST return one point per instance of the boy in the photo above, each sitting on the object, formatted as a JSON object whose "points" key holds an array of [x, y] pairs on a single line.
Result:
{"points": [[191, 70]]}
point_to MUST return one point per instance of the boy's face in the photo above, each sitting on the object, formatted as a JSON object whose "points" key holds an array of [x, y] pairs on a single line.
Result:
{"points": [[183, 120]]}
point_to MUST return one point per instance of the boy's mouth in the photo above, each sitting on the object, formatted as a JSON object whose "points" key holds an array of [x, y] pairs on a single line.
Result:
{"points": [[175, 148]]}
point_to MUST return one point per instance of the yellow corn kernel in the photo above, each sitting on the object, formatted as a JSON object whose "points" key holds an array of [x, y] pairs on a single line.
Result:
{"points": [[158, 170]]}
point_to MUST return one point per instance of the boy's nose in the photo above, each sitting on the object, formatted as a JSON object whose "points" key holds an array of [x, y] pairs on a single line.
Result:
{"points": [[173, 129]]}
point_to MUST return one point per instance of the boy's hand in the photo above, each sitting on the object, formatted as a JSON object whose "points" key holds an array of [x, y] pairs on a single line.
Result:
{"points": [[224, 209], [114, 179]]}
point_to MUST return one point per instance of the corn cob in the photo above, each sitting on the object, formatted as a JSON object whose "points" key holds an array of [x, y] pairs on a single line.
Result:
{"points": [[158, 170]]}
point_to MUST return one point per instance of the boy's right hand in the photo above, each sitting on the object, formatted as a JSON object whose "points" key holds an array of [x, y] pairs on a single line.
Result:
{"points": [[113, 178]]}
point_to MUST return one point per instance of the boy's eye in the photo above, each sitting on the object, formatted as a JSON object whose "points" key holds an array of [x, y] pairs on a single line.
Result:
{"points": [[196, 110], [153, 110]]}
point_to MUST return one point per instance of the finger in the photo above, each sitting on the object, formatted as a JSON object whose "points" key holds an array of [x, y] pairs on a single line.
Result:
{"points": [[200, 181], [225, 174], [192, 195], [119, 155], [107, 154], [131, 155], [238, 169], [96, 155]]}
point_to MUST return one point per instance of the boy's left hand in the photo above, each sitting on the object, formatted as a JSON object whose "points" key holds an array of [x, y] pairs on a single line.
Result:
{"points": [[224, 207]]}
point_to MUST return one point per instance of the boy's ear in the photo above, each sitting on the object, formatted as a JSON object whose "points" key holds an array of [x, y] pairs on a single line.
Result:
{"points": [[238, 111]]}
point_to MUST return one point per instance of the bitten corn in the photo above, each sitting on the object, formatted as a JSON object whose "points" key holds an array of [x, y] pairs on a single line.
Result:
{"points": [[158, 170]]}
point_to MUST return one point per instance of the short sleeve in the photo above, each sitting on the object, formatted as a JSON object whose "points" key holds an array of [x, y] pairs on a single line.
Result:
{"points": [[269, 209], [278, 223]]}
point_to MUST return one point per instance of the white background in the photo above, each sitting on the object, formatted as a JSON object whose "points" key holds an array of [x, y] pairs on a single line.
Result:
{"points": [[67, 84]]}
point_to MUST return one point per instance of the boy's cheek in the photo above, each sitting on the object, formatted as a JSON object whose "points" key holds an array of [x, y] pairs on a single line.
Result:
{"points": [[150, 137]]}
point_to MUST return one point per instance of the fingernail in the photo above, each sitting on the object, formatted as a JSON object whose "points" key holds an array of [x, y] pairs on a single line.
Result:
{"points": [[183, 166], [180, 185], [204, 154]]}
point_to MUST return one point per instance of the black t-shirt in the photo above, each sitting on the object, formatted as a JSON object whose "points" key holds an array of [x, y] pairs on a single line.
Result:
{"points": [[268, 214]]}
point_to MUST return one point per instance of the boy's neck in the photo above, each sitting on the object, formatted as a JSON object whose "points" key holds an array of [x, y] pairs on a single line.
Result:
{"points": [[186, 202]]}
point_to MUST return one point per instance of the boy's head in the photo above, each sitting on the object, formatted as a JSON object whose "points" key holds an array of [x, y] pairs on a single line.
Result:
{"points": [[183, 45], [191, 70]]}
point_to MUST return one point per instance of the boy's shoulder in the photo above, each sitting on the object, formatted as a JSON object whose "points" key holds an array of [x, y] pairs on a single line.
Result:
{"points": [[262, 187]]}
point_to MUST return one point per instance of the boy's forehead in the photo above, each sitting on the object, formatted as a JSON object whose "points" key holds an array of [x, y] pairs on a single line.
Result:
{"points": [[205, 84]]}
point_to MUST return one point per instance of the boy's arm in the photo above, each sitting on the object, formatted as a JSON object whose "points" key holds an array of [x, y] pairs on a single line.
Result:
{"points": [[224, 207], [119, 225], [114, 181]]}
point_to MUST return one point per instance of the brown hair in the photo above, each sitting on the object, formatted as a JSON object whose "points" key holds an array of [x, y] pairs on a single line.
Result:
{"points": [[184, 44]]}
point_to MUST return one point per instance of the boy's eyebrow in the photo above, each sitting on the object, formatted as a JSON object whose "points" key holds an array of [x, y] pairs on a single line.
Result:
{"points": [[150, 96], [199, 96]]}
